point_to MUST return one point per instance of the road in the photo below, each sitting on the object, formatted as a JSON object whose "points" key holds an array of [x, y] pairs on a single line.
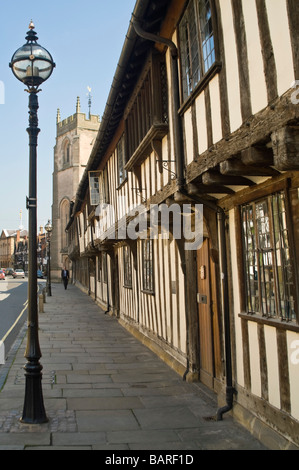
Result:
{"points": [[13, 309]]}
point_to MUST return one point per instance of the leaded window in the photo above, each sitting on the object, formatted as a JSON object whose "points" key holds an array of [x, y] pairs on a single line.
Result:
{"points": [[147, 111], [196, 43], [147, 265], [121, 158], [127, 266], [267, 259], [94, 188], [104, 267]]}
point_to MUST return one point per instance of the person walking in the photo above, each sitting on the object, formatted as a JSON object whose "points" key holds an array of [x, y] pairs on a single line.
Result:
{"points": [[65, 277]]}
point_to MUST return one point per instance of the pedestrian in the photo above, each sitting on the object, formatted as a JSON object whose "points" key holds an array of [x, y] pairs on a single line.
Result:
{"points": [[65, 277]]}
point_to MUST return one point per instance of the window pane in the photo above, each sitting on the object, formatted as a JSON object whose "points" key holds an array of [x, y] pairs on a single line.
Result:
{"points": [[196, 43], [251, 267], [127, 266], [207, 37], [122, 174], [267, 260], [190, 50], [148, 275], [283, 261], [94, 188]]}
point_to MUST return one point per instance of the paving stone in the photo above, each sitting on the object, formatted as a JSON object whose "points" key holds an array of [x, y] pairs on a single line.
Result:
{"points": [[106, 420], [104, 390]]}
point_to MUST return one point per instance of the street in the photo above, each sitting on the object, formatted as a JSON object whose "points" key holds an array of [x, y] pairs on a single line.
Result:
{"points": [[13, 309]]}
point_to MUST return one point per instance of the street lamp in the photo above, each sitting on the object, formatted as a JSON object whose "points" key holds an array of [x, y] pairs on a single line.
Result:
{"points": [[32, 65], [48, 228]]}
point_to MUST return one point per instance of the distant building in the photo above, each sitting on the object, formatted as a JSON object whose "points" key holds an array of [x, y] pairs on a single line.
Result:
{"points": [[11, 242], [74, 140]]}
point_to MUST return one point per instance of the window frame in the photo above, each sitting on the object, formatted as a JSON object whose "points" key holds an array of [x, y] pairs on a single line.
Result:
{"points": [[147, 113], [66, 153], [127, 267], [104, 267], [268, 198], [98, 187], [122, 174], [188, 89], [147, 266]]}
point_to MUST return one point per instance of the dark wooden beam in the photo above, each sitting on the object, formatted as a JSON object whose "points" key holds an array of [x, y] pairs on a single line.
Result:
{"points": [[215, 178], [194, 189], [261, 126], [237, 168], [257, 156], [285, 142]]}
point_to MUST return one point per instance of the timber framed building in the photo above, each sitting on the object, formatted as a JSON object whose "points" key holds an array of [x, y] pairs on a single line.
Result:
{"points": [[203, 110]]}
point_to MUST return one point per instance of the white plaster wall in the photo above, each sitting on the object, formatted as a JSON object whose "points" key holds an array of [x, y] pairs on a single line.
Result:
{"points": [[233, 84], [280, 35], [201, 123], [255, 372], [258, 90], [236, 297], [165, 156], [215, 109], [293, 349], [189, 135], [272, 365]]}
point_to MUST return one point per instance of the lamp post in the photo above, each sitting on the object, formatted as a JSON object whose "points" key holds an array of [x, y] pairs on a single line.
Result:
{"points": [[32, 65], [48, 228]]}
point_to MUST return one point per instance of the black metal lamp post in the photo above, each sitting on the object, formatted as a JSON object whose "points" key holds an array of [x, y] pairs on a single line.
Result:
{"points": [[32, 65], [48, 228]]}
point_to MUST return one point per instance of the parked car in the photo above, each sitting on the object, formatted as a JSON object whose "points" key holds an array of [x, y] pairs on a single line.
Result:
{"points": [[2, 275], [40, 274], [18, 273], [9, 271]]}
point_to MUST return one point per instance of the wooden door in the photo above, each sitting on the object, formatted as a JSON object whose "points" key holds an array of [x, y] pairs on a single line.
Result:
{"points": [[209, 345]]}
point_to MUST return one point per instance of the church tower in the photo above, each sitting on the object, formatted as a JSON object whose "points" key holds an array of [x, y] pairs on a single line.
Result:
{"points": [[75, 136]]}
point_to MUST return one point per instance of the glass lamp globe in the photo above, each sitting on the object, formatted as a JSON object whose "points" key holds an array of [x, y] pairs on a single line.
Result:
{"points": [[48, 227], [32, 64]]}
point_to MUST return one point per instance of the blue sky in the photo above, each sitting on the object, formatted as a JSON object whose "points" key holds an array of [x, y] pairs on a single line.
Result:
{"points": [[85, 40]]}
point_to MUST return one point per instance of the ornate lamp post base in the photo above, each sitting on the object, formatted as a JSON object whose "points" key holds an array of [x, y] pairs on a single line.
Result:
{"points": [[34, 410]]}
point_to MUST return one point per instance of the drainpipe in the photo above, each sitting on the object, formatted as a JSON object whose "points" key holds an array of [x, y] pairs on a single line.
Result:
{"points": [[108, 296], [177, 126], [225, 308], [108, 300], [220, 212]]}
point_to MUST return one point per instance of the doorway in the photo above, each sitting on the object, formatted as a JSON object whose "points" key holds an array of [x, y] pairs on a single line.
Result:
{"points": [[208, 316]]}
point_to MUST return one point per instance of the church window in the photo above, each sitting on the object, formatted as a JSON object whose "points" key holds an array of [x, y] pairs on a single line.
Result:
{"points": [[64, 218], [67, 153]]}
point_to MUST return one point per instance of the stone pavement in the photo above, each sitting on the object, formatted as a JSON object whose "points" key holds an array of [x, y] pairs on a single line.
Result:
{"points": [[104, 390]]}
